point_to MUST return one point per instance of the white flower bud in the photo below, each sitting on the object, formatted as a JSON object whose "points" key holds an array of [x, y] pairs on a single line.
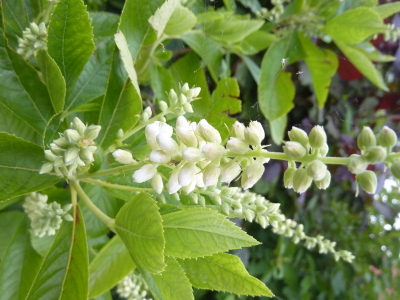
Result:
{"points": [[211, 174], [251, 175], [375, 154], [145, 173], [323, 151], [254, 133], [72, 136], [208, 132], [173, 182], [159, 157], [298, 135], [237, 145], [288, 178], [192, 154], [238, 130], [249, 215], [230, 171], [163, 106], [70, 155], [366, 138], [187, 174], [85, 156], [316, 170], [195, 91], [182, 99], [92, 132], [120, 133], [185, 88], [123, 157], [213, 150], [187, 107], [387, 137], [301, 181], [148, 112], [153, 130], [172, 97], [167, 144], [294, 149], [78, 125], [368, 181], [324, 183], [62, 143], [49, 155], [157, 183], [357, 164], [317, 137], [46, 168]]}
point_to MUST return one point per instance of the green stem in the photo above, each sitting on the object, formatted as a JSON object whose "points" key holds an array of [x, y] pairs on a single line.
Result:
{"points": [[93, 208], [113, 171], [117, 186]]}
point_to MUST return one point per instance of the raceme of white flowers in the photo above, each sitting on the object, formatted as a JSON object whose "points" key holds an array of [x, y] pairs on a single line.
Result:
{"points": [[133, 287], [46, 218], [33, 38], [73, 150]]}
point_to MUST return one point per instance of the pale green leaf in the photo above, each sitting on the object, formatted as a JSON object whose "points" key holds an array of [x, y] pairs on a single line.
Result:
{"points": [[354, 25], [260, 40], [70, 39], [136, 28], [182, 20], [323, 65], [199, 232], [171, 284], [109, 266], [373, 54], [18, 261], [254, 69], [126, 57], [160, 19], [363, 64], [278, 129], [387, 9], [139, 225], [20, 163], [53, 78], [223, 272], [64, 271]]}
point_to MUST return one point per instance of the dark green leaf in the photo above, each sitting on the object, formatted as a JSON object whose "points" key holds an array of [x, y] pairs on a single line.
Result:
{"points": [[110, 266], [223, 272], [140, 226], [20, 162], [278, 127]]}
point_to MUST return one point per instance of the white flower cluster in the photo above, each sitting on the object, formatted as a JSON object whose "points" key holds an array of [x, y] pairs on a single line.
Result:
{"points": [[34, 38], [391, 33], [46, 218], [133, 287], [202, 159], [274, 13], [180, 103], [73, 150], [308, 148]]}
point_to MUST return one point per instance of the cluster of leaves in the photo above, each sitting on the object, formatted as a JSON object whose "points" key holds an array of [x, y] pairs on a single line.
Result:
{"points": [[82, 74]]}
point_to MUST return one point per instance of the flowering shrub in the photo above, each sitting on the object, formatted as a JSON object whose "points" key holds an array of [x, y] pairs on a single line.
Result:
{"points": [[127, 174]]}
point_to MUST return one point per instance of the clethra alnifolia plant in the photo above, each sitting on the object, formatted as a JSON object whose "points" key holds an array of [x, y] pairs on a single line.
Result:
{"points": [[117, 173]]}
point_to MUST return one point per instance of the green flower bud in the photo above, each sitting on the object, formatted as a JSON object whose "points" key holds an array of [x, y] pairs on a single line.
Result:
{"points": [[317, 137], [288, 177], [249, 215], [202, 201], [368, 181], [375, 154], [324, 150], [387, 137], [187, 107], [395, 169], [225, 208], [49, 155], [294, 149], [148, 112], [323, 184], [172, 97], [92, 132], [46, 168], [316, 170], [182, 99], [301, 180], [298, 135], [357, 164], [70, 155], [366, 138], [238, 130], [72, 136], [78, 125], [163, 106], [262, 221]]}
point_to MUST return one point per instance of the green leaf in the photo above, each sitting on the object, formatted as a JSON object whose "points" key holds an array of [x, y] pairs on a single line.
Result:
{"points": [[387, 9], [53, 78], [200, 232], [182, 20], [135, 28], [363, 64], [171, 284], [254, 69], [373, 54], [275, 90], [160, 19], [70, 39], [278, 129], [139, 225], [354, 25], [161, 81], [260, 40], [209, 51], [223, 272], [110, 266], [323, 65], [64, 272], [18, 261], [104, 24], [20, 162]]}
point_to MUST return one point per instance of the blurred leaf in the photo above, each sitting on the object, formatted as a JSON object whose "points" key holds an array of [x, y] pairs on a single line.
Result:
{"points": [[373, 54], [278, 129], [387, 9], [182, 20], [161, 17]]}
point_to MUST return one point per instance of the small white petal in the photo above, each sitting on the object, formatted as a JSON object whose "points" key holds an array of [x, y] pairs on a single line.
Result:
{"points": [[145, 173]]}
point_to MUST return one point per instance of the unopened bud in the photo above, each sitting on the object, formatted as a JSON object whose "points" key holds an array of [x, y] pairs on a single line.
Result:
{"points": [[254, 133], [301, 180], [288, 178], [185, 88], [251, 175], [249, 215], [167, 144], [324, 150], [49, 155], [163, 106], [187, 174], [368, 181], [187, 107], [202, 201], [72, 136], [316, 170], [157, 183], [211, 174], [298, 135], [375, 154], [357, 164], [225, 208], [172, 97], [395, 169], [123, 157], [237, 145], [145, 173], [92, 132], [262, 221], [387, 137], [78, 125], [317, 137], [230, 171], [46, 168], [294, 149], [208, 132], [238, 130], [159, 157], [173, 182], [324, 183], [366, 138], [147, 112], [213, 150], [70, 155], [120, 133], [192, 154]]}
